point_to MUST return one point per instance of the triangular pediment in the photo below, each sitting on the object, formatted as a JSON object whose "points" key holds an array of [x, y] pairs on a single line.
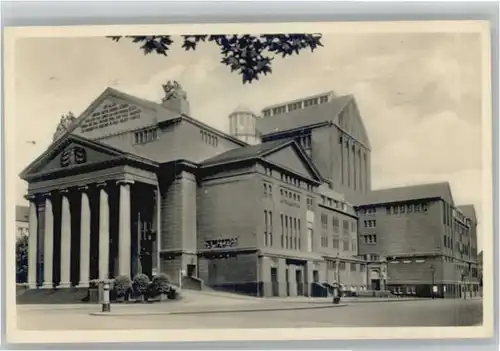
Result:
{"points": [[114, 112], [68, 152], [293, 158]]}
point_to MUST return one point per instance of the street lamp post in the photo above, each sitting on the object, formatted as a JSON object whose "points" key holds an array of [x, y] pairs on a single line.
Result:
{"points": [[433, 269]]}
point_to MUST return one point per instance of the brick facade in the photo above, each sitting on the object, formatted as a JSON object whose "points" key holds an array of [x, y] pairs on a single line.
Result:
{"points": [[272, 219]]}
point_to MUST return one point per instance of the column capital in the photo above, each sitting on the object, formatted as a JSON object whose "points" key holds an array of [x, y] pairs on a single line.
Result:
{"points": [[64, 191], [125, 182], [83, 188], [30, 197], [46, 195], [102, 184]]}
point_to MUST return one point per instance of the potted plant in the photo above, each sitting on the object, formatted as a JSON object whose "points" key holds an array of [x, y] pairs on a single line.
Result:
{"points": [[140, 286], [160, 286], [121, 288], [173, 293]]}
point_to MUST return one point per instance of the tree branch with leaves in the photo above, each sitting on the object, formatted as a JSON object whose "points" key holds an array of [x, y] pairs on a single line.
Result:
{"points": [[248, 55]]}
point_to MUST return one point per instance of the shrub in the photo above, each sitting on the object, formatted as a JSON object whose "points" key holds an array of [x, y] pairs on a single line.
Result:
{"points": [[172, 293], [160, 284], [122, 286], [141, 284]]}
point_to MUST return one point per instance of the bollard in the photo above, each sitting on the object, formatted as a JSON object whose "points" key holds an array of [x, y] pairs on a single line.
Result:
{"points": [[106, 305]]}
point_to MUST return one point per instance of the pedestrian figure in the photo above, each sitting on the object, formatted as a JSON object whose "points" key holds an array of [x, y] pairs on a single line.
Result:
{"points": [[336, 293]]}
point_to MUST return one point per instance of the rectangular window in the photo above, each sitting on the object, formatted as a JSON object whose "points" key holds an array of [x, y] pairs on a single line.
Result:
{"points": [[295, 232], [270, 228], [335, 243], [286, 232], [335, 224], [298, 229], [345, 226], [342, 266], [353, 267], [345, 245], [265, 228]]}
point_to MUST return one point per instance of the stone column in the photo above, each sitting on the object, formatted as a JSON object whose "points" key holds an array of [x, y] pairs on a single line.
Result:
{"points": [[103, 232], [84, 238], [125, 230], [157, 228], [32, 244], [48, 252], [65, 241]]}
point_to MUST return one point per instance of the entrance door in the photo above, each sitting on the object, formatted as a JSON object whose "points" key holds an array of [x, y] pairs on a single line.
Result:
{"points": [[274, 281], [191, 268], [299, 281], [376, 284], [315, 276], [287, 279]]}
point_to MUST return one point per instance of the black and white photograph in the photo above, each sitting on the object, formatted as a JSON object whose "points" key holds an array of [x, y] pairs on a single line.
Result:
{"points": [[332, 178]]}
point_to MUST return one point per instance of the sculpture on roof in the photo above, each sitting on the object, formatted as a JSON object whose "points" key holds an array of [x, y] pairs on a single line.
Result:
{"points": [[64, 123], [173, 91]]}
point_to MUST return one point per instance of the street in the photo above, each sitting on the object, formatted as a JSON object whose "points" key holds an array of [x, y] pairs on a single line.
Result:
{"points": [[420, 313]]}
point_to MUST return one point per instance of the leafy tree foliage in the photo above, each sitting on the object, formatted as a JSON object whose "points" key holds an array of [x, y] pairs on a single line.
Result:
{"points": [[248, 55], [22, 259]]}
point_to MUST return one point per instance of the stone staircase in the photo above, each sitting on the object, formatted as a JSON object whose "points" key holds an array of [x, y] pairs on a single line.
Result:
{"points": [[51, 296]]}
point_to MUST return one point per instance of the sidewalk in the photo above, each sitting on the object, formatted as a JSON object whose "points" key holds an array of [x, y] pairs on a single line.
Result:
{"points": [[349, 300], [177, 309]]}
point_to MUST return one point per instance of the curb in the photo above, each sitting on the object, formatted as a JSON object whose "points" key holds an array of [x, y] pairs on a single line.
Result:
{"points": [[392, 300], [125, 314]]}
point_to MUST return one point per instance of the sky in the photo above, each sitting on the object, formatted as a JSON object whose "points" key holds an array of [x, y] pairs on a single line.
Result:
{"points": [[419, 95]]}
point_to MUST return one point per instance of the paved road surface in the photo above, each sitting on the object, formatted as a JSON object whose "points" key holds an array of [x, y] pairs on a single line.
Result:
{"points": [[378, 314]]}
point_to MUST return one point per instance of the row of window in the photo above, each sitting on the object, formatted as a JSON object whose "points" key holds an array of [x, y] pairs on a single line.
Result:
{"points": [[209, 138], [309, 203], [290, 194], [288, 179], [333, 203], [291, 180], [146, 136], [353, 266], [268, 190], [268, 228], [279, 110], [305, 141], [408, 208], [336, 224], [372, 257], [324, 242], [290, 231], [370, 239], [295, 106], [371, 223], [396, 209], [359, 179]]}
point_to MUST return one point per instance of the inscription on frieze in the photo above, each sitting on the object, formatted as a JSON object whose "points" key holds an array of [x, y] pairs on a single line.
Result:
{"points": [[221, 243], [110, 114]]}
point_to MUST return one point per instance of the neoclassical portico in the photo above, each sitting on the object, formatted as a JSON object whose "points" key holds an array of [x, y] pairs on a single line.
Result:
{"points": [[88, 216]]}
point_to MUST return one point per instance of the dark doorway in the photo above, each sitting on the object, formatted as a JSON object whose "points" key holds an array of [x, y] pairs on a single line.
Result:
{"points": [[287, 279], [191, 270], [315, 276], [300, 283], [274, 281], [376, 284]]}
